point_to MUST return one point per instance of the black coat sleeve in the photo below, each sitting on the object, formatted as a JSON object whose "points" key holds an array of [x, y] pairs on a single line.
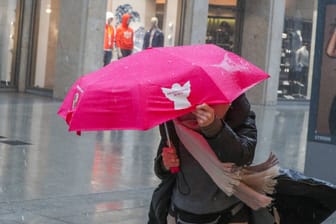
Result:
{"points": [[146, 41], [236, 145]]}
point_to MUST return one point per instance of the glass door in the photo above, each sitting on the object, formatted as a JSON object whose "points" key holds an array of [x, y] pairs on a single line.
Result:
{"points": [[10, 12], [45, 45]]}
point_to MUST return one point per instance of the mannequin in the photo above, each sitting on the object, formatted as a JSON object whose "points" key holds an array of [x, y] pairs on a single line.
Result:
{"points": [[154, 36], [302, 57], [108, 38], [296, 40], [301, 65], [124, 37]]}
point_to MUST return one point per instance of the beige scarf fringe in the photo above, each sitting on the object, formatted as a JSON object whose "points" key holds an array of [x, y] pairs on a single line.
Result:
{"points": [[250, 184]]}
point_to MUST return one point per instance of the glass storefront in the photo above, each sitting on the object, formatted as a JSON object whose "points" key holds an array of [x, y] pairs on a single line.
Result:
{"points": [[224, 21], [224, 24], [295, 55], [9, 23], [45, 44], [139, 13], [224, 29]]}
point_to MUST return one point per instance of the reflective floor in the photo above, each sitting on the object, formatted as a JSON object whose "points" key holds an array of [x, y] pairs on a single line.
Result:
{"points": [[48, 175]]}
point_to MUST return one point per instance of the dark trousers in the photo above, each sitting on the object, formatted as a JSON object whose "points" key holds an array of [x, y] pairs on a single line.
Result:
{"points": [[125, 53], [107, 57]]}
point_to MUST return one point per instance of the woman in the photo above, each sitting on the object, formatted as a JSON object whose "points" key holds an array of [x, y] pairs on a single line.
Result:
{"points": [[192, 195]]}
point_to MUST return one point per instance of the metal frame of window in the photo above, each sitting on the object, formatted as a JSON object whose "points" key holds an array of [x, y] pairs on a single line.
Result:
{"points": [[33, 39], [15, 65]]}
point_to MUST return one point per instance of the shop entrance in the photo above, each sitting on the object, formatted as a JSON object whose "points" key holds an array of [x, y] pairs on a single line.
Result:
{"points": [[45, 36]]}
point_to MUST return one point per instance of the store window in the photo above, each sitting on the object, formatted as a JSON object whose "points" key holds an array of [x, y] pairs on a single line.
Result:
{"points": [[141, 14], [224, 24], [45, 45], [295, 55], [9, 23]]}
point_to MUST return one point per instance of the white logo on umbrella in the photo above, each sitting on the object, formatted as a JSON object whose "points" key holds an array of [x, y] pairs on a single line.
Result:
{"points": [[233, 65], [178, 94]]}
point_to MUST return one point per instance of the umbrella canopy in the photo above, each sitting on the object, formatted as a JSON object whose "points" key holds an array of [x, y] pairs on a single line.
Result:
{"points": [[150, 87]]}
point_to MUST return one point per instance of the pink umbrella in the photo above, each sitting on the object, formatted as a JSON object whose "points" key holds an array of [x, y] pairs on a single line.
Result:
{"points": [[156, 85]]}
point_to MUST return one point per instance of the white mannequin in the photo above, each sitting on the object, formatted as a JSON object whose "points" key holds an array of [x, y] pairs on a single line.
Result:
{"points": [[298, 32], [154, 23], [302, 57], [154, 36], [154, 27]]}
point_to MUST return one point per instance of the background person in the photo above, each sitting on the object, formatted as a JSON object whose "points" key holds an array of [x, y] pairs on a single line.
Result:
{"points": [[124, 37]]}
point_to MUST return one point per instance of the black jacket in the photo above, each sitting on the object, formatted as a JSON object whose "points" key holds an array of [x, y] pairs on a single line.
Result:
{"points": [[297, 198], [238, 132], [239, 135], [157, 41]]}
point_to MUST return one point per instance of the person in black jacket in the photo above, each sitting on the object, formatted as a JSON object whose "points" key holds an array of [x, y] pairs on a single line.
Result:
{"points": [[190, 195]]}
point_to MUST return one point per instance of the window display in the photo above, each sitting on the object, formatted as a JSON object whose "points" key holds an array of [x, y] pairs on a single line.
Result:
{"points": [[224, 26], [296, 39], [221, 32]]}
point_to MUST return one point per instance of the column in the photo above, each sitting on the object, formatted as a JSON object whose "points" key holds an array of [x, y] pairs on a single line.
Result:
{"points": [[261, 44], [195, 22], [80, 43]]}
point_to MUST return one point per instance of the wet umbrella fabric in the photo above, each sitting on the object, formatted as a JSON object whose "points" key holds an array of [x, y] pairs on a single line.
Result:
{"points": [[156, 85]]}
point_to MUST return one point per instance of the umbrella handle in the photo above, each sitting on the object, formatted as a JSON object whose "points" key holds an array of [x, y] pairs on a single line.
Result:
{"points": [[167, 135], [175, 169], [172, 169]]}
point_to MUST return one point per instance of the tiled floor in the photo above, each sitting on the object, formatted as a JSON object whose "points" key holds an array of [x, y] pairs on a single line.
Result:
{"points": [[48, 175]]}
